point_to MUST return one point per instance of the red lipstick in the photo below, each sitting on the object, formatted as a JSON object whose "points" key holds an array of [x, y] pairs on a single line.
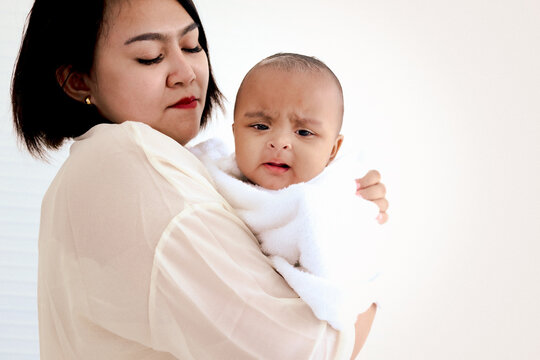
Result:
{"points": [[186, 103]]}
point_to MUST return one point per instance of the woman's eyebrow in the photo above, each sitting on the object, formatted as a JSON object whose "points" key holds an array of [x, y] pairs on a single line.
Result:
{"points": [[160, 36]]}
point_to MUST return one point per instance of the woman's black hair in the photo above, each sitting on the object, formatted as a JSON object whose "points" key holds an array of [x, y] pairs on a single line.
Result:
{"points": [[62, 34]]}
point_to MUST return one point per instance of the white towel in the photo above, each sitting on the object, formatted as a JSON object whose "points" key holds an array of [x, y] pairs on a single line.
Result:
{"points": [[319, 235]]}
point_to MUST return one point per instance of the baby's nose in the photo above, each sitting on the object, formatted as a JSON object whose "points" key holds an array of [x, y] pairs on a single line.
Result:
{"points": [[279, 144]]}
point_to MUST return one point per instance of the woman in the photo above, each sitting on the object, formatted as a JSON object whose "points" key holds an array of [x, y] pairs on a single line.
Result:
{"points": [[139, 256]]}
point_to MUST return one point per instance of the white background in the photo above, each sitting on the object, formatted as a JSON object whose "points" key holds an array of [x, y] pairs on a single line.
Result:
{"points": [[442, 97]]}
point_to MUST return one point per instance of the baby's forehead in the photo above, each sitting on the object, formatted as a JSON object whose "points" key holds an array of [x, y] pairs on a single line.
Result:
{"points": [[279, 79], [274, 80], [300, 73]]}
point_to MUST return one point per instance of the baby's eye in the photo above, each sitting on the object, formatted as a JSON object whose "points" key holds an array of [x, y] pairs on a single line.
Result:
{"points": [[303, 132], [260, 127], [155, 60]]}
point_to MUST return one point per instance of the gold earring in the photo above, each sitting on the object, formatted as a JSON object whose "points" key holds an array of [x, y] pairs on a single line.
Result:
{"points": [[87, 100]]}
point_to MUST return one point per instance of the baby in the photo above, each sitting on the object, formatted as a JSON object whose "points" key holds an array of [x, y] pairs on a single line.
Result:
{"points": [[287, 122]]}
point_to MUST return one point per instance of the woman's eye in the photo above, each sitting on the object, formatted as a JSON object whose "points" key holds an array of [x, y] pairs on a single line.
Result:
{"points": [[155, 60], [194, 50], [260, 127], [303, 132]]}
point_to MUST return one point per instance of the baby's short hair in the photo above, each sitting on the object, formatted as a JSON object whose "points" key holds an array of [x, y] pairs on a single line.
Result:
{"points": [[292, 61], [295, 62]]}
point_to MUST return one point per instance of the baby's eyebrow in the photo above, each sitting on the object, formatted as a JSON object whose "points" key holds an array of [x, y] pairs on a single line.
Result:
{"points": [[305, 121], [258, 115]]}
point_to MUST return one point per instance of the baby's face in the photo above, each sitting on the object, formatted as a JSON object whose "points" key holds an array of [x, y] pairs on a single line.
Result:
{"points": [[286, 126]]}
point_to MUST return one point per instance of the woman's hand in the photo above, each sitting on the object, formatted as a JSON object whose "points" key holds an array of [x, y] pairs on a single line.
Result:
{"points": [[362, 328], [370, 188]]}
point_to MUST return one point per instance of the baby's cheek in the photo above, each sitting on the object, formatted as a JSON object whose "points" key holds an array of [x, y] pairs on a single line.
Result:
{"points": [[244, 166], [313, 170]]}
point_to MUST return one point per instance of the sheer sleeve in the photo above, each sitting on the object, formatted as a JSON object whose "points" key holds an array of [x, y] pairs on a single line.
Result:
{"points": [[212, 285]]}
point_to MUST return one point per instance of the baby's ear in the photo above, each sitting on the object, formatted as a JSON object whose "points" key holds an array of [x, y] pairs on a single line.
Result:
{"points": [[73, 83], [335, 148]]}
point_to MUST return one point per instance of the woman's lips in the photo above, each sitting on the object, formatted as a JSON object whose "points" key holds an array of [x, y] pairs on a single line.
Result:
{"points": [[276, 168], [186, 103]]}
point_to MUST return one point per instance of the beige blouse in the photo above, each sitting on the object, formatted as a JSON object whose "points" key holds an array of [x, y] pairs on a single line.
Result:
{"points": [[141, 258]]}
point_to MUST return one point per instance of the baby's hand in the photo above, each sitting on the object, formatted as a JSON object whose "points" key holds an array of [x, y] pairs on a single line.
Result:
{"points": [[370, 188]]}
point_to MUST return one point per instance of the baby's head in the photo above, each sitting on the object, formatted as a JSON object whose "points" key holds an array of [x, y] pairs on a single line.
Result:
{"points": [[287, 119]]}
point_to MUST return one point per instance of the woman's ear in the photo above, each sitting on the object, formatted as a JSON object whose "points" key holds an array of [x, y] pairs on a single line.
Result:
{"points": [[335, 149], [74, 84]]}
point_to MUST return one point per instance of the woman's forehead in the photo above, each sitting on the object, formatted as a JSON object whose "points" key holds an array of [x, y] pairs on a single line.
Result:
{"points": [[131, 17]]}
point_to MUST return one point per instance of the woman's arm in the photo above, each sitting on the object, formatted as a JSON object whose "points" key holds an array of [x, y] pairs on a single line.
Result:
{"points": [[362, 328], [370, 188], [167, 264], [213, 287]]}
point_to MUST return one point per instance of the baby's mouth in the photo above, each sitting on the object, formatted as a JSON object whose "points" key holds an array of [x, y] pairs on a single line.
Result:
{"points": [[284, 166], [276, 168]]}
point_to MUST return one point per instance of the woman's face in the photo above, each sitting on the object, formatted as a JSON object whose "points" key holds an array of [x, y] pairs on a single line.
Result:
{"points": [[149, 67]]}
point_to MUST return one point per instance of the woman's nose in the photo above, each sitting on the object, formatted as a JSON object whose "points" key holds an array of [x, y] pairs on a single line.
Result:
{"points": [[181, 72]]}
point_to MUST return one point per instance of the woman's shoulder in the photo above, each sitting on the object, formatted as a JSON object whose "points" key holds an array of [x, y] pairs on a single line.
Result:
{"points": [[131, 153], [136, 142], [128, 135], [120, 175]]}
